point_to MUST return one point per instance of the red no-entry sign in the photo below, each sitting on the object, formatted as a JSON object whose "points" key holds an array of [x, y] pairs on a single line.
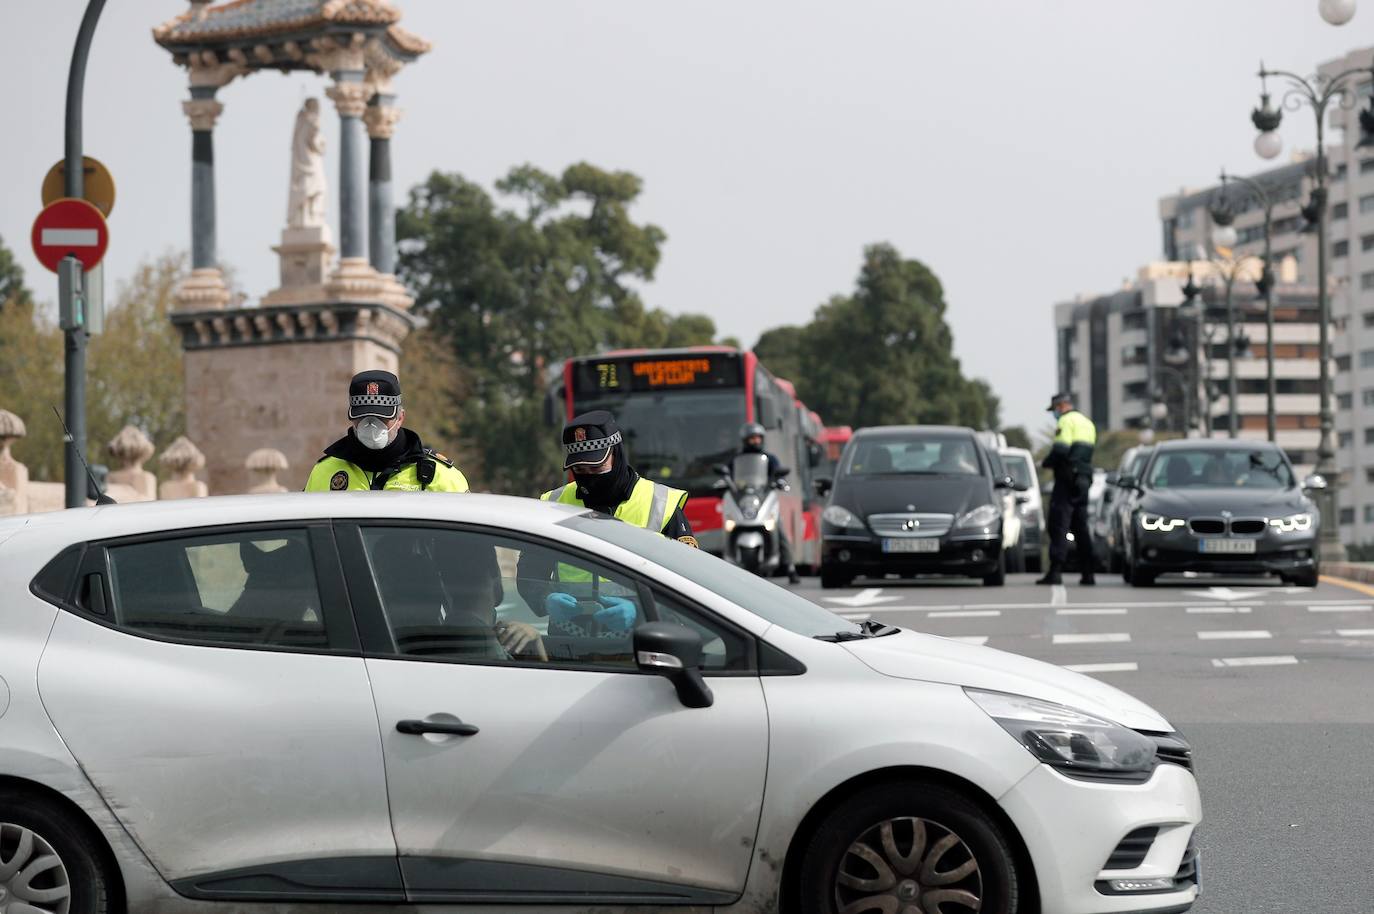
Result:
{"points": [[70, 226]]}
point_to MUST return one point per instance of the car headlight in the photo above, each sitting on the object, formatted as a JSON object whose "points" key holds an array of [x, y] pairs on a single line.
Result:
{"points": [[981, 516], [840, 517], [1161, 523], [1074, 742], [1294, 523]]}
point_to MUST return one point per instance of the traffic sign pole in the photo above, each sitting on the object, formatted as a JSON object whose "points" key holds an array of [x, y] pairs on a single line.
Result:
{"points": [[74, 185]]}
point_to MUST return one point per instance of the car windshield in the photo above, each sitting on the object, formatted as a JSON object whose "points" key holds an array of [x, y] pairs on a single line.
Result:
{"points": [[760, 596], [1019, 468], [929, 453], [1235, 468], [677, 436]]}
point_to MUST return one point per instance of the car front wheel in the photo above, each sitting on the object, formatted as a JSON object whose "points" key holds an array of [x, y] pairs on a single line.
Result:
{"points": [[49, 864], [905, 848]]}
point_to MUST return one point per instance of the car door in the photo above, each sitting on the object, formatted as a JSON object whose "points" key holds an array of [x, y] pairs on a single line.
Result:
{"points": [[566, 774], [211, 686]]}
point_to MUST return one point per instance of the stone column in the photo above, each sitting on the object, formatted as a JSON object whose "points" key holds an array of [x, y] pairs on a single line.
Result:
{"points": [[355, 279], [381, 117]]}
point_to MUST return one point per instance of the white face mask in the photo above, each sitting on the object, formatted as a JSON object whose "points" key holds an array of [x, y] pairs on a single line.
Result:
{"points": [[373, 433]]}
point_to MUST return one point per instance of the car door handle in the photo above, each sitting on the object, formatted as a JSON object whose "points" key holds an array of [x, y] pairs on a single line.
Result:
{"points": [[447, 727]]}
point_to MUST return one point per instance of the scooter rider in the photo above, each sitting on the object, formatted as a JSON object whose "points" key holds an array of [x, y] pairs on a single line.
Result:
{"points": [[751, 437]]}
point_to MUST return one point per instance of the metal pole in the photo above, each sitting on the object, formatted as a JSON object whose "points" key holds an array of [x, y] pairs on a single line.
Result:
{"points": [[74, 362], [1204, 381], [1232, 417]]}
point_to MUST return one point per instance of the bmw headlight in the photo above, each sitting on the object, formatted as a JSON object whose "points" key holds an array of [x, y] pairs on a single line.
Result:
{"points": [[1294, 523], [1160, 523], [981, 516], [841, 517], [1074, 742]]}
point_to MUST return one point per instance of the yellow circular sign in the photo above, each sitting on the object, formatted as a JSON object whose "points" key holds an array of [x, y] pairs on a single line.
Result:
{"points": [[99, 184]]}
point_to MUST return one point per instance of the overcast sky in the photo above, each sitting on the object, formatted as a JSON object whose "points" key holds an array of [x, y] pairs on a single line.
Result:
{"points": [[1017, 147]]}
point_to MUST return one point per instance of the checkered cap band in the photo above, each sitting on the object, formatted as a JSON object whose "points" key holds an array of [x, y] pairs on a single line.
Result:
{"points": [[374, 400], [594, 444]]}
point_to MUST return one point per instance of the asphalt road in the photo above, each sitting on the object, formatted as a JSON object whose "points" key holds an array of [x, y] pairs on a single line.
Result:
{"points": [[1272, 685]]}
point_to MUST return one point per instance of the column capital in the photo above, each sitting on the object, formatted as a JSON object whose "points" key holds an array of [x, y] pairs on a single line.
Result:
{"points": [[207, 71], [381, 120], [202, 112], [350, 98]]}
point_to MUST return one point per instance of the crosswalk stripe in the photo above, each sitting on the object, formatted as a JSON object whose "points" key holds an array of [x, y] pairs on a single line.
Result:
{"points": [[1101, 667], [965, 613], [1355, 632], [1218, 610], [1087, 638], [1255, 661], [1234, 635], [1340, 609], [1090, 612]]}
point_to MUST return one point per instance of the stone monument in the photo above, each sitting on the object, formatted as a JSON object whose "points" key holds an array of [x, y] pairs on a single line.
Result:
{"points": [[281, 366]]}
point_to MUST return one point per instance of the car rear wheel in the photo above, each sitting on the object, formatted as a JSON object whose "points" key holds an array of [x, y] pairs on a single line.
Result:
{"points": [[909, 848], [1309, 578], [49, 864]]}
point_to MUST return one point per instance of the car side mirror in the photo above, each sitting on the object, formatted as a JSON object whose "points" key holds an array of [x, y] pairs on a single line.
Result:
{"points": [[674, 652], [1127, 481], [1005, 482], [1314, 483], [823, 485]]}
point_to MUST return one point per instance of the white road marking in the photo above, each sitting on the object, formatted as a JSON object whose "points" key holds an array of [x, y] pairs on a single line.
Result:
{"points": [[1101, 667], [1355, 632], [1346, 602], [1223, 593], [1085, 638], [869, 597], [1090, 612], [1218, 609], [1340, 609], [965, 613], [1059, 595], [1255, 661], [970, 639], [1234, 635]]}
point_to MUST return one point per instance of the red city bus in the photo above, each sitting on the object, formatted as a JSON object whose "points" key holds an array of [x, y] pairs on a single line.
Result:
{"points": [[681, 411], [833, 440]]}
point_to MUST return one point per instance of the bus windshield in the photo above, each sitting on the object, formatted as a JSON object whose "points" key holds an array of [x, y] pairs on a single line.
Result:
{"points": [[676, 436]]}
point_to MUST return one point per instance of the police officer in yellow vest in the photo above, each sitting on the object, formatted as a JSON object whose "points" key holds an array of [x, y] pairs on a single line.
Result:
{"points": [[603, 480], [1071, 459], [379, 452]]}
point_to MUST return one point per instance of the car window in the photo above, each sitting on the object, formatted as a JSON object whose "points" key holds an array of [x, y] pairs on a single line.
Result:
{"points": [[1214, 468], [1019, 470], [920, 454], [237, 589], [463, 595]]}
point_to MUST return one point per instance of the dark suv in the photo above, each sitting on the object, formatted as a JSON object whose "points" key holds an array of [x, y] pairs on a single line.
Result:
{"points": [[911, 500]]}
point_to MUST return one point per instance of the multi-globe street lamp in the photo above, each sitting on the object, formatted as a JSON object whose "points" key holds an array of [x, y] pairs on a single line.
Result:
{"points": [[1317, 93], [1336, 12]]}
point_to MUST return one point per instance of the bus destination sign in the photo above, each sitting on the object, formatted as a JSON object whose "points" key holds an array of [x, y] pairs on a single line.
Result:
{"points": [[631, 374]]}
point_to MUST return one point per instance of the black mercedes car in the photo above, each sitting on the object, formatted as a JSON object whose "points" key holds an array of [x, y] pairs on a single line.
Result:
{"points": [[1225, 506], [912, 500]]}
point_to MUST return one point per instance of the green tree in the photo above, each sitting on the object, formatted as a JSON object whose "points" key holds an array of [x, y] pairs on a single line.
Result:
{"points": [[12, 288], [883, 355], [1017, 436], [781, 350], [514, 291]]}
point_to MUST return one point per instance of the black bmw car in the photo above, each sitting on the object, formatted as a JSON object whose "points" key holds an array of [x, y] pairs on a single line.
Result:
{"points": [[912, 500], [1227, 506]]}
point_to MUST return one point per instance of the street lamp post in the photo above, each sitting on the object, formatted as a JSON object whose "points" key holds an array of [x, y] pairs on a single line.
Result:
{"points": [[1316, 92]]}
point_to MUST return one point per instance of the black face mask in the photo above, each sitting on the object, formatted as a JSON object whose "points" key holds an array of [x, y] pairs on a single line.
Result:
{"points": [[607, 490], [752, 446]]}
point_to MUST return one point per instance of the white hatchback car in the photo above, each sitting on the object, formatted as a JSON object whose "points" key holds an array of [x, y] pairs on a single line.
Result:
{"points": [[284, 703]]}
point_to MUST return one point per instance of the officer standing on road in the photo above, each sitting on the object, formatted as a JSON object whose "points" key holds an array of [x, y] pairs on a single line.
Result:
{"points": [[1071, 459], [751, 438], [379, 452]]}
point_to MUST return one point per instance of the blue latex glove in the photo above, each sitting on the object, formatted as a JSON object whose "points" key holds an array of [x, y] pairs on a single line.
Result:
{"points": [[617, 614], [561, 606]]}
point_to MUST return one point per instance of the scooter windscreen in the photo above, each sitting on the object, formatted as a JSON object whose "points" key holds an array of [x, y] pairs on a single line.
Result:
{"points": [[750, 471]]}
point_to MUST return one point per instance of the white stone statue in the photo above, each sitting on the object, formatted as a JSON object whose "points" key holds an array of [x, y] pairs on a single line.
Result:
{"points": [[305, 205]]}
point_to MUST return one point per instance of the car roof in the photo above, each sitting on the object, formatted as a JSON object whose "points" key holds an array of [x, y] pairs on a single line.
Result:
{"points": [[879, 431], [1214, 444], [76, 525]]}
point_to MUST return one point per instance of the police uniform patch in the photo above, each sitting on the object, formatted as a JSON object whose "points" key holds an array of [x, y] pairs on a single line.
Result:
{"points": [[339, 481], [690, 541]]}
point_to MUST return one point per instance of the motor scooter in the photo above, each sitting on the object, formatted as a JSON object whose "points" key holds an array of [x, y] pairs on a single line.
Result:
{"points": [[752, 512]]}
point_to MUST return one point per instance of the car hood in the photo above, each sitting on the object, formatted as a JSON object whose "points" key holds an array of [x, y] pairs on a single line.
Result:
{"points": [[1240, 502], [929, 494], [928, 658]]}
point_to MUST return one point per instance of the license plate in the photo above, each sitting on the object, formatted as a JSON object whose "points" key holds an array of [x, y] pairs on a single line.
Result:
{"points": [[1227, 547], [925, 544]]}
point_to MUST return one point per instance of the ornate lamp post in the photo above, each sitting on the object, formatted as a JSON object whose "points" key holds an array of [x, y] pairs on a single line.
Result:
{"points": [[1317, 93], [1224, 237]]}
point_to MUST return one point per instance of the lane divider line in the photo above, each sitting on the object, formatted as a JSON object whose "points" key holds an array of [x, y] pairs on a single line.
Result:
{"points": [[1101, 667], [1217, 610], [1340, 609], [1285, 660], [1355, 632], [1256, 634], [1090, 612], [964, 613], [1089, 638]]}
